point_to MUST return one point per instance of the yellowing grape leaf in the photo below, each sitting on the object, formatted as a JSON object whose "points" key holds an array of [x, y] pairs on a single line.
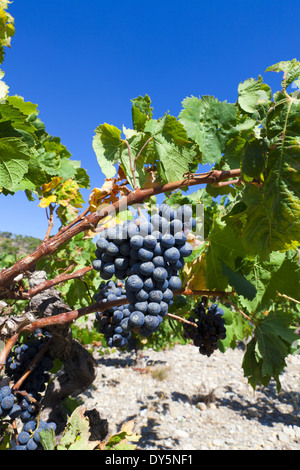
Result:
{"points": [[55, 181], [98, 194], [109, 221], [123, 439], [68, 193], [194, 274], [128, 427], [46, 201]]}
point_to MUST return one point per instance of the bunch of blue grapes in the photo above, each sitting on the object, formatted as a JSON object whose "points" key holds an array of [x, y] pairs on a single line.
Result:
{"points": [[29, 437], [12, 408], [20, 359], [147, 255], [210, 327], [29, 408], [25, 404], [112, 320], [9, 408]]}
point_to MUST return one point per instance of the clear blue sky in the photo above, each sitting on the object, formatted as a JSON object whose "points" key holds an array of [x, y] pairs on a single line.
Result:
{"points": [[82, 63]]}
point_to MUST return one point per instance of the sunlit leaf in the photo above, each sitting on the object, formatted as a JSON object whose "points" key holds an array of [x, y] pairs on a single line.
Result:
{"points": [[14, 158], [46, 201]]}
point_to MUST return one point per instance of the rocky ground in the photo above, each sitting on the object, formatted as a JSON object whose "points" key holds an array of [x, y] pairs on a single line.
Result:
{"points": [[181, 400]]}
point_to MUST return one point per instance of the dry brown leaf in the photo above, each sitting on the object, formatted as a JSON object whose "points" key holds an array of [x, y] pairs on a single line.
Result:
{"points": [[128, 427]]}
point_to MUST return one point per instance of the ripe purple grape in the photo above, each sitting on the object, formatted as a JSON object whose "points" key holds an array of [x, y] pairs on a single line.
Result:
{"points": [[137, 319], [23, 437]]}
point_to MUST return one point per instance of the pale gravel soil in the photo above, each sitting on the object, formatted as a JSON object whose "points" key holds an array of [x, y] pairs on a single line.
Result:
{"points": [[200, 403]]}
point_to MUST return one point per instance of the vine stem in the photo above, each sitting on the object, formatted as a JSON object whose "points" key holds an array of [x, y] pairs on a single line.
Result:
{"points": [[26, 295], [240, 311], [53, 282], [132, 168], [60, 319], [75, 221], [50, 221], [237, 181], [133, 164], [7, 348], [204, 292], [183, 320], [69, 317], [145, 145], [288, 298], [51, 245]]}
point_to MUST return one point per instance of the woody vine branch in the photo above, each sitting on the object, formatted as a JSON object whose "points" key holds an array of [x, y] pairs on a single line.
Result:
{"points": [[91, 220]]}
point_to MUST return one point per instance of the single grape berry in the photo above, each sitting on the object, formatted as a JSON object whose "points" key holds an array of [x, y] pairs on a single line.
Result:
{"points": [[23, 437], [137, 319]]}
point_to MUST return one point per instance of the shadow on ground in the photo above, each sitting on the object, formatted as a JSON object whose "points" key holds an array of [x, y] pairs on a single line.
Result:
{"points": [[266, 407]]}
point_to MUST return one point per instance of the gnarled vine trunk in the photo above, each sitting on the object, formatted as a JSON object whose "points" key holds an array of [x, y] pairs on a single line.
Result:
{"points": [[78, 366]]}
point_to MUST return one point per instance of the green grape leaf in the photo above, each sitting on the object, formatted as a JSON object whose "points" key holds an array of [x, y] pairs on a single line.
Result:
{"points": [[7, 29], [254, 157], [268, 349], [72, 169], [224, 247], [82, 178], [76, 293], [36, 175], [141, 112], [240, 284], [18, 120], [76, 433], [251, 92], [26, 107], [47, 439], [273, 209], [136, 142], [50, 163], [209, 123], [277, 274], [233, 152], [236, 329], [66, 169], [14, 158], [163, 142], [297, 83], [290, 68], [172, 147], [107, 145], [53, 144]]}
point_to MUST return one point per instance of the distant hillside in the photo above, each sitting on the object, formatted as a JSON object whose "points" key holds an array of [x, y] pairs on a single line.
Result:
{"points": [[13, 247]]}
